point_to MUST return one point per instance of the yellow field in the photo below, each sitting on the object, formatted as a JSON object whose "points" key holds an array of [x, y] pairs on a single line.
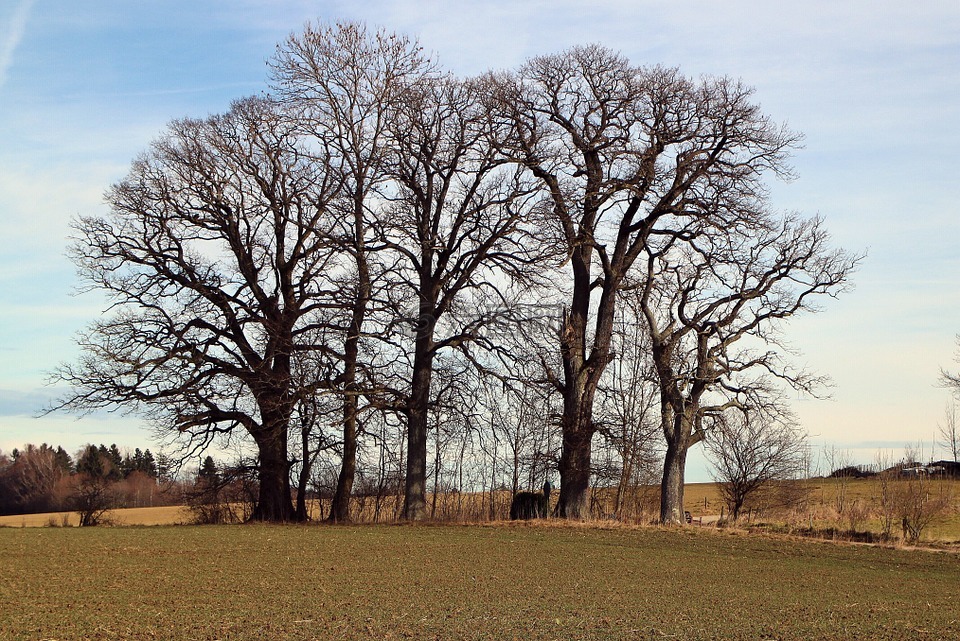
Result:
{"points": [[168, 515], [821, 506]]}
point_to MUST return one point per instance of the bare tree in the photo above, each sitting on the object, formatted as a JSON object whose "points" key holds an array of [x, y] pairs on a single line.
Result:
{"points": [[261, 257], [625, 155], [919, 502], [841, 466], [210, 256], [749, 451], [952, 381], [27, 483], [714, 305], [456, 225], [310, 416], [344, 84], [884, 492], [222, 494], [909, 497], [950, 431], [521, 418], [92, 490], [627, 411]]}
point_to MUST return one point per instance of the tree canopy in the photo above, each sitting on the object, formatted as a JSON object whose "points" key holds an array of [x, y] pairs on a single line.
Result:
{"points": [[264, 266]]}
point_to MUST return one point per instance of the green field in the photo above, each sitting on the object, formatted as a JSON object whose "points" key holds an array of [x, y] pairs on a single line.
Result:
{"points": [[464, 582]]}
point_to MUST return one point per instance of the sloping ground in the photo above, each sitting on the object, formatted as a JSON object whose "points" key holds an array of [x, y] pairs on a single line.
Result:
{"points": [[466, 582]]}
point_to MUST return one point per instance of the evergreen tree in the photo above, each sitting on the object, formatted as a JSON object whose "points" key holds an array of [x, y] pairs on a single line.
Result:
{"points": [[208, 470], [63, 460], [91, 462], [164, 467], [116, 462], [148, 464]]}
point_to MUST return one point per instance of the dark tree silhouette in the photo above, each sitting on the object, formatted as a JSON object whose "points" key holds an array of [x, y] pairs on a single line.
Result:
{"points": [[457, 226], [625, 156], [714, 303], [344, 83], [209, 256]]}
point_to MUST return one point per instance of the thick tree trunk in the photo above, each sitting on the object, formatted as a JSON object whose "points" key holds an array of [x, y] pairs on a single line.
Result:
{"points": [[581, 375], [274, 503], [574, 471], [671, 487], [415, 495]]}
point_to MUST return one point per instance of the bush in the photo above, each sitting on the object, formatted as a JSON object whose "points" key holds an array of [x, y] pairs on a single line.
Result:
{"points": [[912, 502], [92, 497], [229, 496]]}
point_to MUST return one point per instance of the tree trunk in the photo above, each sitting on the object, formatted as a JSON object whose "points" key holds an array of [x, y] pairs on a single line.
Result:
{"points": [[437, 460], [574, 471], [274, 502], [304, 479], [581, 376], [415, 498], [671, 487], [340, 507], [626, 477], [735, 510]]}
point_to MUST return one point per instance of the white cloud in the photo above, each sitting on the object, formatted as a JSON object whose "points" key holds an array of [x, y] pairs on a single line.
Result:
{"points": [[18, 24]]}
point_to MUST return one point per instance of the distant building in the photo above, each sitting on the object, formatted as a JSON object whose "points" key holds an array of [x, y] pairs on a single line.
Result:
{"points": [[915, 470], [936, 468], [946, 468]]}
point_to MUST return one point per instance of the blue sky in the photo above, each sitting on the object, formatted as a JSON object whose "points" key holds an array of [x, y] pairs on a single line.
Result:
{"points": [[874, 86]]}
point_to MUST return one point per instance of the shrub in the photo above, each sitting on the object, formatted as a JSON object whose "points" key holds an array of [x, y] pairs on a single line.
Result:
{"points": [[227, 496]]}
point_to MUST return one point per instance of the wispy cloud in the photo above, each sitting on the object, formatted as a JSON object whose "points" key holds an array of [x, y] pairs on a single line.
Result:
{"points": [[25, 402], [18, 24]]}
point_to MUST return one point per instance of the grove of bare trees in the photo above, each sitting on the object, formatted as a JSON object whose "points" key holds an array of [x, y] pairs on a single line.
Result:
{"points": [[391, 281]]}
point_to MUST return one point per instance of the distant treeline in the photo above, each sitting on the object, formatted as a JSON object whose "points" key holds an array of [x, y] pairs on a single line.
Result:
{"points": [[45, 478]]}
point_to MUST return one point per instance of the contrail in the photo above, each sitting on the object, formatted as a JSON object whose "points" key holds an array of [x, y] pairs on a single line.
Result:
{"points": [[13, 36]]}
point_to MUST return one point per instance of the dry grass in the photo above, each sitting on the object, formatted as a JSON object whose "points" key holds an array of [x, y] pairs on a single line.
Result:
{"points": [[700, 499]]}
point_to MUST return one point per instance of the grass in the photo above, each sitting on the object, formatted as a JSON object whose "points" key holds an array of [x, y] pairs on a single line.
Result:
{"points": [[464, 582]]}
